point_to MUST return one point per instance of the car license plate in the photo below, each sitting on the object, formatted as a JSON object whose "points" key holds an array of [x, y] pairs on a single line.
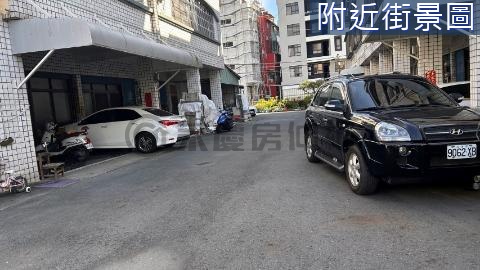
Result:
{"points": [[89, 146], [462, 151]]}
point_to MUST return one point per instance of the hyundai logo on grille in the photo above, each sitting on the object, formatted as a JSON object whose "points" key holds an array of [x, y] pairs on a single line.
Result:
{"points": [[456, 132]]}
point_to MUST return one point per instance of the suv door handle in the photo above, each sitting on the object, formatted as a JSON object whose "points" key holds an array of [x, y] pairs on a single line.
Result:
{"points": [[104, 126]]}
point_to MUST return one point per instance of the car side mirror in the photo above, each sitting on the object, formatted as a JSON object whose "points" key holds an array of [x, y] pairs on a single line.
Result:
{"points": [[457, 97], [335, 105]]}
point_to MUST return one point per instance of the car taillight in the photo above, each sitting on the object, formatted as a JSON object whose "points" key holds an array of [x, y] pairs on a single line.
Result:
{"points": [[88, 141], [169, 122]]}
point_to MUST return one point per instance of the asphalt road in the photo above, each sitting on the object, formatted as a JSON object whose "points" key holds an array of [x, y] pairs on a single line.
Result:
{"points": [[249, 209]]}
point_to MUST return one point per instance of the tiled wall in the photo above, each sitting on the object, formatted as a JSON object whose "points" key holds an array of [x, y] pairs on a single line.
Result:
{"points": [[397, 59], [193, 81], [15, 119], [374, 65], [215, 77], [475, 59], [385, 60], [430, 54], [401, 58]]}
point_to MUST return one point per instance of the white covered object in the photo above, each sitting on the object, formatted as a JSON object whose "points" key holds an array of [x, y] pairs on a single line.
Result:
{"points": [[245, 103], [211, 112], [192, 107]]}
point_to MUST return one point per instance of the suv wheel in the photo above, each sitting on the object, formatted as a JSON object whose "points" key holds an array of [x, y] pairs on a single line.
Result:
{"points": [[145, 143], [358, 176], [310, 148]]}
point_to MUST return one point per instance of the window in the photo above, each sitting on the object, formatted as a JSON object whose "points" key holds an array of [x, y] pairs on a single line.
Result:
{"points": [[51, 100], [115, 95], [323, 96], [311, 7], [312, 29], [61, 104], [337, 94], [181, 12], [318, 70], [226, 21], [40, 83], [338, 43], [228, 44], [124, 115], [391, 93], [99, 96], [292, 8], [294, 50], [293, 29], [295, 71], [98, 118], [157, 112], [272, 76], [318, 48], [192, 13]]}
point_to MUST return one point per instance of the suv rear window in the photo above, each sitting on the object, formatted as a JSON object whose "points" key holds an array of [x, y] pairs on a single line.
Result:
{"points": [[395, 93], [158, 112]]}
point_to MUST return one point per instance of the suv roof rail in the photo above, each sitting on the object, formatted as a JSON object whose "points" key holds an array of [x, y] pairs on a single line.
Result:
{"points": [[391, 73], [341, 76], [355, 71], [335, 77]]}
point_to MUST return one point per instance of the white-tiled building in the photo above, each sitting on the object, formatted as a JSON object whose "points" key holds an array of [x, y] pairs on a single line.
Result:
{"points": [[102, 54], [240, 38], [307, 54]]}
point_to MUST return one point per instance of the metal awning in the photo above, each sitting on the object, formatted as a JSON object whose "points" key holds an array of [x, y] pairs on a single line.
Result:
{"points": [[37, 35]]}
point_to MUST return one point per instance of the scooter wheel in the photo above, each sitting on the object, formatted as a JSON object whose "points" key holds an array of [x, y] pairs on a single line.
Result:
{"points": [[80, 155], [476, 186]]}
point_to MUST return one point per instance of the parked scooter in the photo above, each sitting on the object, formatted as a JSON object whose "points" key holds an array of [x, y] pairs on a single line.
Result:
{"points": [[74, 147], [225, 122], [13, 184]]}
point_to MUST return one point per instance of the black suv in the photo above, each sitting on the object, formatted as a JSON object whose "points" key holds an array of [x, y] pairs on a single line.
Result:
{"points": [[392, 128]]}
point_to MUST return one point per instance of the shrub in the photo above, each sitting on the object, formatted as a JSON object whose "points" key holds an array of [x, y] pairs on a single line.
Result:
{"points": [[292, 104], [305, 102], [270, 105]]}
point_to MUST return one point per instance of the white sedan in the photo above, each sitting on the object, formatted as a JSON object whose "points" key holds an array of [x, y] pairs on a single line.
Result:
{"points": [[133, 127]]}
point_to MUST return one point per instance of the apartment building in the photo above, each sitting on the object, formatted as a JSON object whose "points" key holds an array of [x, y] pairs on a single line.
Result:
{"points": [[269, 56], [90, 55], [307, 52], [240, 40]]}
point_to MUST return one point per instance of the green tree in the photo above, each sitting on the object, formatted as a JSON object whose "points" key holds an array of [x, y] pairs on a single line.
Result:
{"points": [[310, 87]]}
